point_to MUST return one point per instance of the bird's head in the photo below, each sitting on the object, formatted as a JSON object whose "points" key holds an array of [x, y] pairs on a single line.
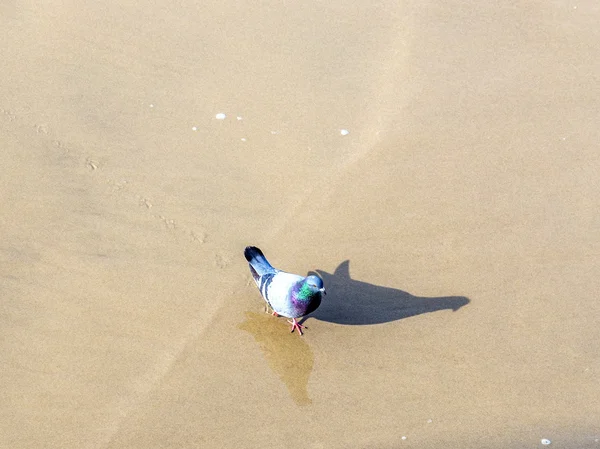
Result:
{"points": [[315, 284]]}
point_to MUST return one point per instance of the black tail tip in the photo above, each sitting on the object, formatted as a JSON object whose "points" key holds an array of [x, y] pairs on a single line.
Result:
{"points": [[251, 252]]}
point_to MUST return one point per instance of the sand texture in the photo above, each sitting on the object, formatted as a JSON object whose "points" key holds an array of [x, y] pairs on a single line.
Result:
{"points": [[456, 223]]}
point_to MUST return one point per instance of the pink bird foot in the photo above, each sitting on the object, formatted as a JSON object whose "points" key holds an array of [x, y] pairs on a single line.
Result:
{"points": [[272, 313], [296, 325]]}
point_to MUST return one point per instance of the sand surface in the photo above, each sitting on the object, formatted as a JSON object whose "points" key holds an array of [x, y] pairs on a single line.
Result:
{"points": [[456, 225]]}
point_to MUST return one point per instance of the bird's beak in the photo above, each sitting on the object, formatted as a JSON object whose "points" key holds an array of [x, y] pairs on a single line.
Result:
{"points": [[322, 290]]}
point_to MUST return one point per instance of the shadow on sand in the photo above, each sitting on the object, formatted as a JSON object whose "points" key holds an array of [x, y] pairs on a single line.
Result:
{"points": [[349, 301]]}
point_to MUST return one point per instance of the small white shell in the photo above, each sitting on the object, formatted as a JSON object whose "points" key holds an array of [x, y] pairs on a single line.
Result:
{"points": [[220, 116], [344, 132], [546, 442]]}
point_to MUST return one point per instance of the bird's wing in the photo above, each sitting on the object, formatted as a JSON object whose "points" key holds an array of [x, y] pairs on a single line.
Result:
{"points": [[276, 291]]}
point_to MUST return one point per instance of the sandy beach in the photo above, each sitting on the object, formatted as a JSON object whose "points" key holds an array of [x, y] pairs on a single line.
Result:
{"points": [[436, 163]]}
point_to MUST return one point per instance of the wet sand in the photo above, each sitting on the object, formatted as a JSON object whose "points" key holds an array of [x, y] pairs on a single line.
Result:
{"points": [[456, 224]]}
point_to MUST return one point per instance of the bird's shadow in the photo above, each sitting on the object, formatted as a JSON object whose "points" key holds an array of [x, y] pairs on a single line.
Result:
{"points": [[349, 301]]}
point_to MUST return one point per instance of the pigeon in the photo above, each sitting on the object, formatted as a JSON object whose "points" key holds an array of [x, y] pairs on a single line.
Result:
{"points": [[289, 295]]}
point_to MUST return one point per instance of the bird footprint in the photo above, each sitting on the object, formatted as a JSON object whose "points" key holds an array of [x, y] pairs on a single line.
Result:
{"points": [[221, 260], [198, 237]]}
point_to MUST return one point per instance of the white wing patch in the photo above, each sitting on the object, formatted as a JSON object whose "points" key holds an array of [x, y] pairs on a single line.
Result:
{"points": [[276, 292]]}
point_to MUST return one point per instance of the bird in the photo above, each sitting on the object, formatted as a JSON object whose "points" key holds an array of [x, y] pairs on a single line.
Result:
{"points": [[289, 295]]}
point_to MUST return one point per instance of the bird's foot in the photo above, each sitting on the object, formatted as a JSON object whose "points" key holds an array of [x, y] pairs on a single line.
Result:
{"points": [[272, 313], [296, 325]]}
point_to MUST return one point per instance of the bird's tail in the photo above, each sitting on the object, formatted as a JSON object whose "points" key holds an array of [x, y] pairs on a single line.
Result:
{"points": [[259, 265]]}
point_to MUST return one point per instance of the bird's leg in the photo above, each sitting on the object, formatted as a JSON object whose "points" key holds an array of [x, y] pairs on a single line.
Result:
{"points": [[266, 308], [267, 311], [296, 325]]}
